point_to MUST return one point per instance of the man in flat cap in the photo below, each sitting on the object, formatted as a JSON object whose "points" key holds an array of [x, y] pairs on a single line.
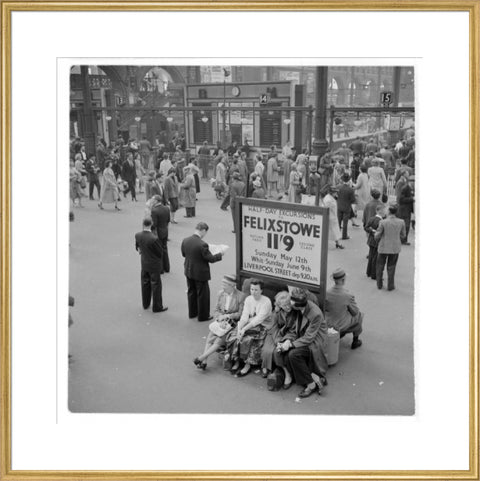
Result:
{"points": [[341, 310]]}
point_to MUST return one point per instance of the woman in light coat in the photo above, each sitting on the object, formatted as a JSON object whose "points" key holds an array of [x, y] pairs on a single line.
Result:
{"points": [[76, 192], [140, 172], [225, 317], [376, 176], [188, 192], [294, 184], [362, 188], [109, 192], [331, 204], [302, 169]]}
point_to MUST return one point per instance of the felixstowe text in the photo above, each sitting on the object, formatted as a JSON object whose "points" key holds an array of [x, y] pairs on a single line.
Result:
{"points": [[282, 243]]}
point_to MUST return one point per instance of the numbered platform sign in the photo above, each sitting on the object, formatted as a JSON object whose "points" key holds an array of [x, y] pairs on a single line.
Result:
{"points": [[283, 242], [264, 99], [386, 98]]}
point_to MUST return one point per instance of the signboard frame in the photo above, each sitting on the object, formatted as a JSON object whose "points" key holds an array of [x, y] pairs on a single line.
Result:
{"points": [[319, 290]]}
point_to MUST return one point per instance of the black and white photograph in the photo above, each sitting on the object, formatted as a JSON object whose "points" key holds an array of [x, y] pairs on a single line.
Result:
{"points": [[242, 239], [263, 262]]}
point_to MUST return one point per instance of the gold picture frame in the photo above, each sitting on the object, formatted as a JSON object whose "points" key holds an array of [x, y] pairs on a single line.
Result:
{"points": [[470, 6]]}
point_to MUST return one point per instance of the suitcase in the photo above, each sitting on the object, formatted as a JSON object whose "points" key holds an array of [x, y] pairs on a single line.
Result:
{"points": [[333, 345], [275, 380]]}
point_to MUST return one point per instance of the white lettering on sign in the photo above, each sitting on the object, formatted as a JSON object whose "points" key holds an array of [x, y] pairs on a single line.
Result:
{"points": [[264, 99], [285, 243]]}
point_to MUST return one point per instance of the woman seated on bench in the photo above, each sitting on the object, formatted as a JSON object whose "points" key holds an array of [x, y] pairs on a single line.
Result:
{"points": [[226, 315], [282, 319], [244, 344]]}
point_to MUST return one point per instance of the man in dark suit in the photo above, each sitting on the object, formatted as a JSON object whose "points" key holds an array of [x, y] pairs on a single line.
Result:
{"points": [[150, 250], [371, 208], [346, 197], [157, 187], [197, 271], [160, 219], [129, 175], [371, 230], [405, 207], [389, 234], [358, 147]]}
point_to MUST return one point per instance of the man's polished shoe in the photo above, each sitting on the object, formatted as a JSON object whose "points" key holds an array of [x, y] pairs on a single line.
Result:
{"points": [[209, 318], [321, 382], [163, 309], [356, 343], [308, 391], [345, 238]]}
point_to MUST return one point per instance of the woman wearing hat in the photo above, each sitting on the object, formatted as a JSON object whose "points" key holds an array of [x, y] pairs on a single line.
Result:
{"points": [[193, 164], [76, 193], [258, 190], [331, 204], [188, 192], [225, 317], [150, 204], [294, 195], [109, 191]]}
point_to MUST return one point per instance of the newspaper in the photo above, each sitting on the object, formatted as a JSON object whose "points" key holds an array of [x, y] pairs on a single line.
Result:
{"points": [[218, 248]]}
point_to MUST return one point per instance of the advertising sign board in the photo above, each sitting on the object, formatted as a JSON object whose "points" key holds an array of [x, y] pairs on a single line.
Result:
{"points": [[282, 242]]}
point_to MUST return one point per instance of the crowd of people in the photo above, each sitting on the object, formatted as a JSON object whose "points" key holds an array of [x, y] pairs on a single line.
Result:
{"points": [[284, 333]]}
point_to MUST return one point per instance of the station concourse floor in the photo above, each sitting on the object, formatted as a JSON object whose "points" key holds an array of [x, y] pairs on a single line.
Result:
{"points": [[129, 360]]}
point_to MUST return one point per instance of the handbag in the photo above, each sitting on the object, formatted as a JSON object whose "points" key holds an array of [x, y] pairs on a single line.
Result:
{"points": [[220, 328], [275, 379]]}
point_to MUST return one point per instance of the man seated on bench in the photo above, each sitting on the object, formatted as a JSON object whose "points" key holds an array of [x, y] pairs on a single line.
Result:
{"points": [[341, 310]]}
